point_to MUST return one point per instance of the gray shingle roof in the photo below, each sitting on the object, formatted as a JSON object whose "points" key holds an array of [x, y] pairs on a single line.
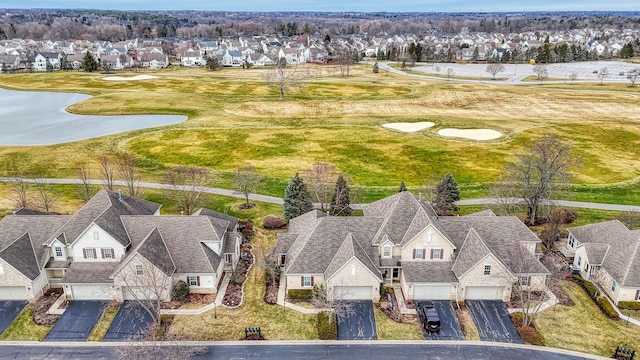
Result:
{"points": [[86, 272], [232, 221], [351, 248], [37, 226], [502, 234], [428, 272], [154, 249], [25, 211], [321, 244], [104, 209], [622, 261], [596, 252], [285, 240], [487, 212], [21, 255], [182, 235], [473, 250]]}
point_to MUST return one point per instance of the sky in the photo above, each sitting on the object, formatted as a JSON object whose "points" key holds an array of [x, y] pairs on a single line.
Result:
{"points": [[334, 5]]}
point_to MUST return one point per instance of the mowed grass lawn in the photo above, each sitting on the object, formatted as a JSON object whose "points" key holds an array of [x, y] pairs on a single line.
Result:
{"points": [[583, 327], [254, 312], [236, 119]]}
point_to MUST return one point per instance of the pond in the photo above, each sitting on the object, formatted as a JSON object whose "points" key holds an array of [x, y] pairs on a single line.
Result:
{"points": [[39, 118]]}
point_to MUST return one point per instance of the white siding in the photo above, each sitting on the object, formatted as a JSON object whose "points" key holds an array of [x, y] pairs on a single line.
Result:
{"points": [[105, 241]]}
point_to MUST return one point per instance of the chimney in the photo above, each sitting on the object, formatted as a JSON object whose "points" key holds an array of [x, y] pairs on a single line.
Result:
{"points": [[119, 194]]}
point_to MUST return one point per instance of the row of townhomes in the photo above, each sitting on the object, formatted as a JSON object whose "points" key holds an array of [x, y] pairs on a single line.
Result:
{"points": [[46, 55], [104, 250]]}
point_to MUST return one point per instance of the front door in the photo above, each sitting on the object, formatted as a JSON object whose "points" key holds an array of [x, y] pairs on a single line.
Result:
{"points": [[396, 273]]}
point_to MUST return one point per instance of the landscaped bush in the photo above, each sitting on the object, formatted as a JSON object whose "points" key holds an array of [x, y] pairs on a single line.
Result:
{"points": [[530, 335], [300, 294], [327, 330], [180, 290], [606, 307], [629, 305], [272, 222], [587, 285], [516, 318]]}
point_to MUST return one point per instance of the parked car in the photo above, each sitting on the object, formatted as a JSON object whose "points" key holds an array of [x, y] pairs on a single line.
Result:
{"points": [[428, 316], [595, 71]]}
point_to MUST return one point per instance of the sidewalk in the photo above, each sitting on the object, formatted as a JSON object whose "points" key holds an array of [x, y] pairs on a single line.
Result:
{"points": [[552, 301], [287, 305], [216, 303], [397, 290]]}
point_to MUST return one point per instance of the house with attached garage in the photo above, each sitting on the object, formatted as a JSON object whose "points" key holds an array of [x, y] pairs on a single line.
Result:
{"points": [[608, 254], [116, 247], [401, 240]]}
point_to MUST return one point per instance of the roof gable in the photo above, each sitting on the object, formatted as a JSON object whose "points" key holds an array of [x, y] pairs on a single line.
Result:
{"points": [[473, 250], [22, 257], [154, 249]]}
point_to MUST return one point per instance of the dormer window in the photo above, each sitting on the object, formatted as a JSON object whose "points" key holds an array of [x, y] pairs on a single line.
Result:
{"points": [[58, 251], [386, 251], [487, 269]]}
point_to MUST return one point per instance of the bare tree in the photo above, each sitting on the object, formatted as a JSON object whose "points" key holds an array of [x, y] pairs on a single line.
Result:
{"points": [[282, 78], [450, 73], [321, 179], [633, 76], [539, 171], [428, 188], [186, 184], [494, 69], [341, 308], [246, 180], [346, 58], [18, 165], [526, 290], [127, 165], [556, 218], [630, 219], [541, 72], [573, 77], [107, 170], [436, 69], [46, 197], [85, 189], [602, 74], [146, 284], [505, 197]]}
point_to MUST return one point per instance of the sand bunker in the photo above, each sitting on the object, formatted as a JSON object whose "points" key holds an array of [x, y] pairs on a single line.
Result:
{"points": [[472, 134], [409, 127], [129, 78]]}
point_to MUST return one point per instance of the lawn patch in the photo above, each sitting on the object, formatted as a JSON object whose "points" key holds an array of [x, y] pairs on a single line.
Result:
{"points": [[102, 326], [24, 329]]}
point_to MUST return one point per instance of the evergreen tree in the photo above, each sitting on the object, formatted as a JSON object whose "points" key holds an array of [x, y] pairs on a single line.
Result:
{"points": [[340, 204], [402, 187], [376, 68], [89, 63], [297, 199], [447, 193], [475, 55]]}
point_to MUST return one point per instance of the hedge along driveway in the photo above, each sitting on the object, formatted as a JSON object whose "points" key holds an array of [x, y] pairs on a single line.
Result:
{"points": [[583, 327]]}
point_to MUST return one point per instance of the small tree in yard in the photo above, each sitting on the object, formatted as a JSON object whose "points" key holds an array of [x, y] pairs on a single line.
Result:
{"points": [[321, 180], [297, 200], [127, 165], [523, 289], [212, 63], [342, 308], [246, 180], [573, 77], [632, 77], [18, 165], [107, 170], [340, 204], [602, 74], [541, 72], [85, 189], [186, 184], [540, 171], [556, 218], [447, 193], [450, 73], [89, 63], [283, 78], [494, 69]]}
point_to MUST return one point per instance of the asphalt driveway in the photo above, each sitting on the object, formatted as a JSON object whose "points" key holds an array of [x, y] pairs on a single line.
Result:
{"points": [[9, 309], [132, 322], [361, 325], [77, 321], [493, 322], [450, 327]]}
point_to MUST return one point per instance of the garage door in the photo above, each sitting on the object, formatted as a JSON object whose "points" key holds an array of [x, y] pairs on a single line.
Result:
{"points": [[92, 292], [484, 293], [432, 292], [352, 292], [139, 293], [13, 293]]}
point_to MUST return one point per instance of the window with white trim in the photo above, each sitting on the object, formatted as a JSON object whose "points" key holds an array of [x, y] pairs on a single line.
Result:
{"points": [[614, 284], [525, 280], [228, 258], [89, 253], [193, 280], [579, 260], [573, 242], [437, 254], [419, 253], [107, 253], [306, 281], [58, 251], [139, 270], [386, 251], [487, 269]]}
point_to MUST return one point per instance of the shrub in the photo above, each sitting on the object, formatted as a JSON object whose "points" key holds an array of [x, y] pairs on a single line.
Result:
{"points": [[516, 318], [166, 320], [180, 290], [629, 305], [327, 329], [238, 279], [530, 335], [606, 307], [587, 286], [300, 294], [272, 222]]}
